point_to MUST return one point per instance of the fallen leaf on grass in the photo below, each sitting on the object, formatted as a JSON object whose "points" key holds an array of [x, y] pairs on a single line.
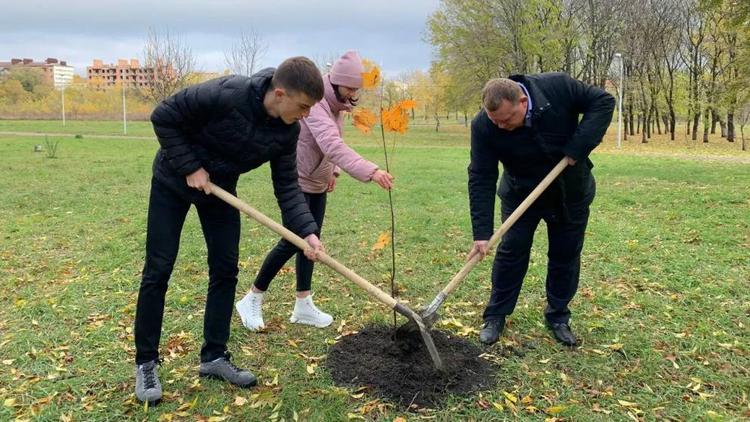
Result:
{"points": [[262, 399], [555, 410], [383, 240], [511, 397], [311, 368], [672, 359], [187, 405], [597, 408], [714, 416]]}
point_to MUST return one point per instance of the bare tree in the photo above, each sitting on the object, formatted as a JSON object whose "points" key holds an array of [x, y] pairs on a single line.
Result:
{"points": [[245, 55], [694, 36], [716, 65], [170, 61], [667, 58], [325, 61], [601, 24]]}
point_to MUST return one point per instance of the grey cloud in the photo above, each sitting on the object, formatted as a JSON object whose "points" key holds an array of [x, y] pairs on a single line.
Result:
{"points": [[77, 30]]}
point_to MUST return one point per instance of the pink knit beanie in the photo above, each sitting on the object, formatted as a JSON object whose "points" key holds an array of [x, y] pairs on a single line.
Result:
{"points": [[347, 71]]}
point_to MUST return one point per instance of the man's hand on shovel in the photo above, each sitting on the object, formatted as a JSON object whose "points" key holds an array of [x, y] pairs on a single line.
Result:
{"points": [[315, 247], [200, 180], [480, 247]]}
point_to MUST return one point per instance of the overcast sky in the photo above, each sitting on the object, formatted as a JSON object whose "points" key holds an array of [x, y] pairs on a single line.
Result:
{"points": [[389, 32]]}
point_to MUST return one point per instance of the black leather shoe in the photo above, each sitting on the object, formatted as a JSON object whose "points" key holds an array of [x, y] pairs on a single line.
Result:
{"points": [[563, 333], [491, 331]]}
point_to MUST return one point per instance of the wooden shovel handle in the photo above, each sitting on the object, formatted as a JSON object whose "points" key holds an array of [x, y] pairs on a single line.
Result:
{"points": [[495, 239], [300, 243]]}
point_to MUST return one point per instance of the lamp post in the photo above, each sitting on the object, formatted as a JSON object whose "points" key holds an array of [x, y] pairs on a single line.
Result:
{"points": [[62, 100], [124, 111], [619, 102]]}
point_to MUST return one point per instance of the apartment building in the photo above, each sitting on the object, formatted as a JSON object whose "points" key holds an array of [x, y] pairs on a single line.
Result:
{"points": [[128, 72], [55, 71]]}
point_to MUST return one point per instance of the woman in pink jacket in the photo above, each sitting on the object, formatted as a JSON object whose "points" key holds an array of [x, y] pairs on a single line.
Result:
{"points": [[321, 154]]}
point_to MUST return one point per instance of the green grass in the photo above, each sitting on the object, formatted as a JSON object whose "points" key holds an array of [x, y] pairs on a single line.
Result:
{"points": [[663, 307], [89, 127]]}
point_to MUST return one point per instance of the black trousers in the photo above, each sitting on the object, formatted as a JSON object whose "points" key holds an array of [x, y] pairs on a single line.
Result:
{"points": [[565, 235], [220, 222], [284, 250]]}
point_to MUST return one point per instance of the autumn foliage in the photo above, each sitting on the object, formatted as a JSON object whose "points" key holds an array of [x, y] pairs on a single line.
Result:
{"points": [[364, 120], [371, 75], [393, 119], [396, 118]]}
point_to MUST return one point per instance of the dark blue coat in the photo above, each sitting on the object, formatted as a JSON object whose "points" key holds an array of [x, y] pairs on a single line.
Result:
{"points": [[529, 154]]}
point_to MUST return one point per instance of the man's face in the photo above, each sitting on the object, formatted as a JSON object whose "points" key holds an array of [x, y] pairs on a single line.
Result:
{"points": [[293, 106], [348, 94], [509, 116]]}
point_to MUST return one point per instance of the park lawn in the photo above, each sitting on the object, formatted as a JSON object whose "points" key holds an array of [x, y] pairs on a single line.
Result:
{"points": [[663, 308], [452, 132]]}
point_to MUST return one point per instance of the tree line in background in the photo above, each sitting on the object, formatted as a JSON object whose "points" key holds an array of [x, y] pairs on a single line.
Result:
{"points": [[683, 63]]}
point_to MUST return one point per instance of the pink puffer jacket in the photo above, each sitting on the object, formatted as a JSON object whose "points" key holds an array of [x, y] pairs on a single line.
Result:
{"points": [[321, 149]]}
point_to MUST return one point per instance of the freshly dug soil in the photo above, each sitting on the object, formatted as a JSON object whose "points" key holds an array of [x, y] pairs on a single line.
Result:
{"points": [[401, 370]]}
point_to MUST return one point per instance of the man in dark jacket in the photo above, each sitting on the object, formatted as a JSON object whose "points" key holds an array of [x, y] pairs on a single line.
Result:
{"points": [[529, 123], [215, 131]]}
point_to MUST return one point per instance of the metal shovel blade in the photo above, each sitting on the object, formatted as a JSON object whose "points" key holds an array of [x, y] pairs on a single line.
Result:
{"points": [[415, 320]]}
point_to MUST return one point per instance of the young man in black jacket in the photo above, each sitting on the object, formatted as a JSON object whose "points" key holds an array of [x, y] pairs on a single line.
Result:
{"points": [[215, 131], [529, 123]]}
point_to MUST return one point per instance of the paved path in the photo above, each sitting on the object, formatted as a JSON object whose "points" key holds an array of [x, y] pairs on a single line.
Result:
{"points": [[73, 134], [659, 154]]}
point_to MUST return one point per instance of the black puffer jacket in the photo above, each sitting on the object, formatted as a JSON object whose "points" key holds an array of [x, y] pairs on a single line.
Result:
{"points": [[529, 153], [222, 126]]}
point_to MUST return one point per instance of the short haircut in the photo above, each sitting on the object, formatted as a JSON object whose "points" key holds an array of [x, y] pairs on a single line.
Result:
{"points": [[499, 89], [299, 74]]}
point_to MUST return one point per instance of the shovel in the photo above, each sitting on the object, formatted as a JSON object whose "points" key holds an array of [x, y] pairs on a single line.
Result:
{"points": [[414, 318], [430, 315]]}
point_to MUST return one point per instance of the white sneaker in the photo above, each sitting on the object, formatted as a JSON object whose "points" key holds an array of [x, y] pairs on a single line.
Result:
{"points": [[305, 312], [250, 311]]}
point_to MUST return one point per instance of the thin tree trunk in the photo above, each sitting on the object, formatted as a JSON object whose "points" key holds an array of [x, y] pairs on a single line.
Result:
{"points": [[706, 124], [730, 127], [714, 120], [696, 120], [631, 117]]}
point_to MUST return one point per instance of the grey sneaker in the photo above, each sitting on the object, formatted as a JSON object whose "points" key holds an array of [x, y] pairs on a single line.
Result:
{"points": [[147, 385], [223, 369]]}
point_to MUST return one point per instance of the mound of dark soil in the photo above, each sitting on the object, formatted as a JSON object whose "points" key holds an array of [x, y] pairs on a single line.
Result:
{"points": [[405, 375]]}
